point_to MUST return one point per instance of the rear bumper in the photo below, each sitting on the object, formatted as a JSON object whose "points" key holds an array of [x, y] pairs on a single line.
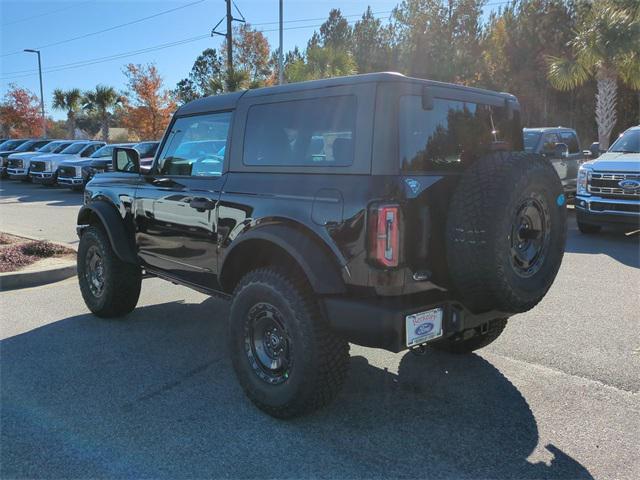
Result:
{"points": [[46, 178], [607, 211], [380, 322]]}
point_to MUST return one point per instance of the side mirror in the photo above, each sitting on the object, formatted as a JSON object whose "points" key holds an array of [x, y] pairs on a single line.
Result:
{"points": [[587, 154], [561, 150], [125, 160], [427, 98]]}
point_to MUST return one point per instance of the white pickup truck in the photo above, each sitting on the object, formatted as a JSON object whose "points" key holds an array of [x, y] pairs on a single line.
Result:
{"points": [[608, 190]]}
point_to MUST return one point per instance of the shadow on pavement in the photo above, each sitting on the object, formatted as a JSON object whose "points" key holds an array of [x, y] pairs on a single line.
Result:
{"points": [[24, 192], [612, 242], [154, 395]]}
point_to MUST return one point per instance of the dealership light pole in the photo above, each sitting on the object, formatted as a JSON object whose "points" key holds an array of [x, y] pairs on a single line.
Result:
{"points": [[44, 120]]}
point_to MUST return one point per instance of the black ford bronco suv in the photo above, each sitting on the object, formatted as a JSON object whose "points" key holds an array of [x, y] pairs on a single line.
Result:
{"points": [[377, 209]]}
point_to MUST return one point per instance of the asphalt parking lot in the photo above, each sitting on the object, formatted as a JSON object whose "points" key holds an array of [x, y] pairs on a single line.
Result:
{"points": [[153, 395]]}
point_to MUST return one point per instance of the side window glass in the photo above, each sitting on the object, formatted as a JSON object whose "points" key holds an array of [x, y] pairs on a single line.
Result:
{"points": [[305, 133], [571, 140], [195, 146], [549, 143]]}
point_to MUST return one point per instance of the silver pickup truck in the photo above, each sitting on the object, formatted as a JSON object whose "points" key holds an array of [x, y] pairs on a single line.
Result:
{"points": [[560, 145], [609, 187]]}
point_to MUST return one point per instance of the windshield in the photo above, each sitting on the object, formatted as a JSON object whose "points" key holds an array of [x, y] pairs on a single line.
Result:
{"points": [[629, 142], [74, 148], [531, 140], [11, 144], [49, 147], [103, 152], [61, 147], [30, 145], [147, 149]]}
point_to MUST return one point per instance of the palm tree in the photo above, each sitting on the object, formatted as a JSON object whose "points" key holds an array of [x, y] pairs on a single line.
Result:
{"points": [[102, 100], [68, 100], [606, 47]]}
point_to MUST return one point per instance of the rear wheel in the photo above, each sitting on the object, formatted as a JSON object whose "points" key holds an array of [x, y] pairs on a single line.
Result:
{"points": [[109, 286], [286, 358], [473, 339]]}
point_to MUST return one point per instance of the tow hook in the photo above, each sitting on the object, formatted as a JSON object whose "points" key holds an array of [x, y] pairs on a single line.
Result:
{"points": [[484, 328], [419, 350]]}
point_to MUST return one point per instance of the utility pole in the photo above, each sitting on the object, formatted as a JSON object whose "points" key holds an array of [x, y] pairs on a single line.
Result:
{"points": [[229, 38], [229, 33], [44, 120], [280, 52]]}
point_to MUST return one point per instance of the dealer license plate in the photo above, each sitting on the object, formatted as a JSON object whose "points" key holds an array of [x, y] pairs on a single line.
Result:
{"points": [[423, 326]]}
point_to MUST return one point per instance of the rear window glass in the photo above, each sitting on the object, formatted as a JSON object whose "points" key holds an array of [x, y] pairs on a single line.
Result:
{"points": [[453, 133], [531, 140], [306, 133]]}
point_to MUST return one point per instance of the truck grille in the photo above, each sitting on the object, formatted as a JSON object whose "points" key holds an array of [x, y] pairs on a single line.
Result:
{"points": [[607, 185], [67, 172], [14, 163], [37, 166]]}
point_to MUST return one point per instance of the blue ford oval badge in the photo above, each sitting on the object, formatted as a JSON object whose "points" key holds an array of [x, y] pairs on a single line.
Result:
{"points": [[424, 328], [413, 185], [629, 184]]}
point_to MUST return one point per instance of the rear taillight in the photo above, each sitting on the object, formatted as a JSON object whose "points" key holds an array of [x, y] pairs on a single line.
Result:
{"points": [[384, 235]]}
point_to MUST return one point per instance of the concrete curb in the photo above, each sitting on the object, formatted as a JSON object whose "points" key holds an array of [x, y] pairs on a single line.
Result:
{"points": [[34, 278]]}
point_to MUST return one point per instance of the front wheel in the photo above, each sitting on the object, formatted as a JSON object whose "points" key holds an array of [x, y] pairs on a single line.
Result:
{"points": [[109, 286], [286, 358], [473, 339]]}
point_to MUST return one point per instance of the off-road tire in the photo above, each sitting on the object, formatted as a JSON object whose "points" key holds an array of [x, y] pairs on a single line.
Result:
{"points": [[460, 344], [122, 280], [319, 357], [588, 228], [480, 230]]}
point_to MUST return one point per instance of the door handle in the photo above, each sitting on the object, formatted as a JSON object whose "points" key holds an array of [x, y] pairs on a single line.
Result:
{"points": [[202, 204]]}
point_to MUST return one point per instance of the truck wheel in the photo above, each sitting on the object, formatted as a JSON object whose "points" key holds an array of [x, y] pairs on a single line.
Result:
{"points": [[285, 356], [465, 343], [506, 232], [109, 286], [588, 228]]}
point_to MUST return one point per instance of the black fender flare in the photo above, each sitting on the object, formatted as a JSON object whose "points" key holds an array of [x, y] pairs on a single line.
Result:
{"points": [[315, 259], [113, 224]]}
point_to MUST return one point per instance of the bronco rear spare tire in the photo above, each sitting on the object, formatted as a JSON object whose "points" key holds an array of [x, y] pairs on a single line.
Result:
{"points": [[506, 232]]}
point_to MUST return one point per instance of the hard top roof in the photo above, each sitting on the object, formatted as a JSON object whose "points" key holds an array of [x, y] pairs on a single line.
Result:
{"points": [[229, 100]]}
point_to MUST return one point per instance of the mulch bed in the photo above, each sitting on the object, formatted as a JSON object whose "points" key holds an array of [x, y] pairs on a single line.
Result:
{"points": [[17, 252]]}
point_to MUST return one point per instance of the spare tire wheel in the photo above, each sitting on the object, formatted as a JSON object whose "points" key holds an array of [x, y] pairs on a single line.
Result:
{"points": [[506, 232]]}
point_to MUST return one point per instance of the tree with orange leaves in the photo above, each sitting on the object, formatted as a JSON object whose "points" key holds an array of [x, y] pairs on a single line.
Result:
{"points": [[20, 113], [149, 106]]}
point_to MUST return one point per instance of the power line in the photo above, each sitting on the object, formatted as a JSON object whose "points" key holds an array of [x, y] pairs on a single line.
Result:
{"points": [[82, 63], [27, 73], [74, 5], [117, 56], [108, 29]]}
